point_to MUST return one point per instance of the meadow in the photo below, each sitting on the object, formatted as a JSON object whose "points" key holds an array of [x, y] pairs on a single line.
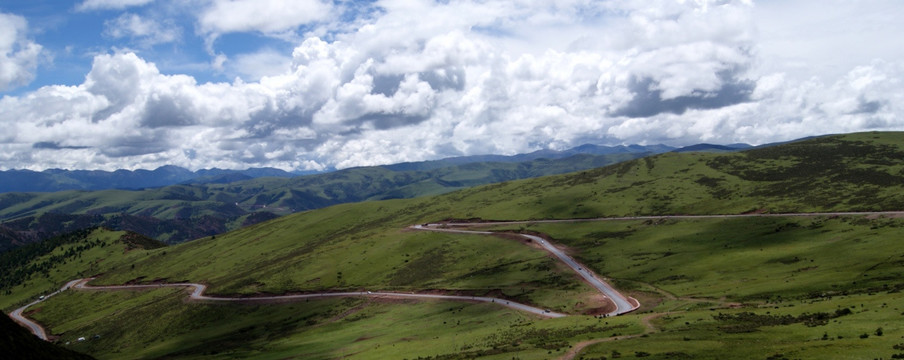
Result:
{"points": [[753, 287]]}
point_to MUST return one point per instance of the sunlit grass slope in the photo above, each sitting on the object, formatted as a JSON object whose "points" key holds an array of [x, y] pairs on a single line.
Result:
{"points": [[317, 329], [690, 269], [856, 172], [750, 288], [356, 247]]}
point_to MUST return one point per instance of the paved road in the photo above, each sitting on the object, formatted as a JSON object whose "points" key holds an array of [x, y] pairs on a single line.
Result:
{"points": [[622, 303], [35, 328], [198, 294]]}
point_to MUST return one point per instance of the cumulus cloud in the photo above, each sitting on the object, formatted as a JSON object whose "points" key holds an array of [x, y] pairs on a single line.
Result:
{"points": [[266, 16], [146, 32], [19, 56], [423, 80], [266, 62]]}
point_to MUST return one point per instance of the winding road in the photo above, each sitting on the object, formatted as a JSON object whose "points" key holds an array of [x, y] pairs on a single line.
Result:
{"points": [[198, 295], [623, 304], [36, 329]]}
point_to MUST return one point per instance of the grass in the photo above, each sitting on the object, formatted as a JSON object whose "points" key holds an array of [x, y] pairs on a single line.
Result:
{"points": [[317, 329], [770, 267], [742, 258], [88, 262], [690, 269], [327, 250], [697, 334]]}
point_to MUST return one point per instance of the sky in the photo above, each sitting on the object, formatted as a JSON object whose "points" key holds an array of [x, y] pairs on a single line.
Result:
{"points": [[320, 84]]}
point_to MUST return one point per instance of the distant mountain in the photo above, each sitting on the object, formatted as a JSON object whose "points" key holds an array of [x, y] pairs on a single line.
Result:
{"points": [[713, 148], [214, 203], [52, 180], [59, 180], [539, 154]]}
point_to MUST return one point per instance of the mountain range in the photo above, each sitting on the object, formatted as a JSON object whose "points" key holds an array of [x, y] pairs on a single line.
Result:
{"points": [[173, 204], [210, 203], [58, 179], [52, 180]]}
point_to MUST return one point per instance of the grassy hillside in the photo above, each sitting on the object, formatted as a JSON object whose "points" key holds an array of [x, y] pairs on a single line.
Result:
{"points": [[749, 287], [856, 172], [819, 287], [41, 268], [185, 212]]}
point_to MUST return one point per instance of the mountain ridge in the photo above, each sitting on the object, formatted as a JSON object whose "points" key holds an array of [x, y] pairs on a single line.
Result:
{"points": [[182, 212], [52, 180]]}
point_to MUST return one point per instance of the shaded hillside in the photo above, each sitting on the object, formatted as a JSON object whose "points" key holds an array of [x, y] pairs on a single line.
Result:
{"points": [[37, 259], [17, 343], [184, 212], [31, 229]]}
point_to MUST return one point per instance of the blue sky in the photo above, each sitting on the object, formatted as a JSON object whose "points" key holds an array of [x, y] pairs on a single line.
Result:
{"points": [[71, 35], [313, 84]]}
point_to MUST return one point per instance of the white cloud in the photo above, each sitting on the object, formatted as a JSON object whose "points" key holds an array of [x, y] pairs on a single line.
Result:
{"points": [[146, 32], [19, 56], [267, 62], [110, 4], [826, 38], [266, 16], [421, 80]]}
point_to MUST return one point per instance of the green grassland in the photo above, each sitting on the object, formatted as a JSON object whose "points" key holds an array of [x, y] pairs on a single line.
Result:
{"points": [[743, 259], [691, 271], [685, 272], [856, 172], [355, 247], [872, 330], [317, 329]]}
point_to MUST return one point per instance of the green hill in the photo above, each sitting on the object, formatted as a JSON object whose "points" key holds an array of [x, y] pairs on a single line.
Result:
{"points": [[185, 212], [753, 287]]}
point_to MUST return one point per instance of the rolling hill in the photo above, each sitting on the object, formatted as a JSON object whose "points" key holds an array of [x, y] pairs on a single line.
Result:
{"points": [[180, 213], [814, 286]]}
